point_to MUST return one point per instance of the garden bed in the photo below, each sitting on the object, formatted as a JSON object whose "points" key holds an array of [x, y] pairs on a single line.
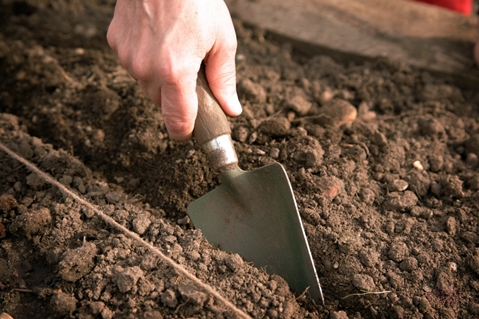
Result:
{"points": [[382, 156]]}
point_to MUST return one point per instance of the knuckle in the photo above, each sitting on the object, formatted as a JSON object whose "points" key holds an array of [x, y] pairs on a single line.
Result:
{"points": [[174, 70], [138, 67], [171, 72]]}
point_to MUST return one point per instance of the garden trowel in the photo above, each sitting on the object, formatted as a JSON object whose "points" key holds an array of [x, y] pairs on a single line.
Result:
{"points": [[252, 213]]}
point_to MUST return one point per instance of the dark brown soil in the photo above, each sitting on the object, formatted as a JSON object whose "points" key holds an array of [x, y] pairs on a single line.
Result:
{"points": [[383, 159]]}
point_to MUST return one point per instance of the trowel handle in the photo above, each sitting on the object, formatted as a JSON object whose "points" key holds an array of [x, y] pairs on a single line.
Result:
{"points": [[211, 121], [212, 129]]}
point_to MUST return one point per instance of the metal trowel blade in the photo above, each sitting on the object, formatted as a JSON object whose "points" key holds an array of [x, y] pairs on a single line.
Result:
{"points": [[254, 214]]}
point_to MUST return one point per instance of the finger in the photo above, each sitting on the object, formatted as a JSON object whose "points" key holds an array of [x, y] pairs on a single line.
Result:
{"points": [[179, 106]]}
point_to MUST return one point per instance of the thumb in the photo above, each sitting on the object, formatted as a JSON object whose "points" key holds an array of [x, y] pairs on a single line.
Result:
{"points": [[221, 75]]}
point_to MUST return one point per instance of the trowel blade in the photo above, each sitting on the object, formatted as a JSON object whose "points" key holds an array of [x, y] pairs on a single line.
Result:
{"points": [[254, 214]]}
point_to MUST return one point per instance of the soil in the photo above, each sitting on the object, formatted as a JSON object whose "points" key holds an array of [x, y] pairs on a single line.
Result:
{"points": [[383, 159]]}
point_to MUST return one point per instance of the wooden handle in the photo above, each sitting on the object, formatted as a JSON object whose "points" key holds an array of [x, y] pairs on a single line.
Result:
{"points": [[211, 121]]}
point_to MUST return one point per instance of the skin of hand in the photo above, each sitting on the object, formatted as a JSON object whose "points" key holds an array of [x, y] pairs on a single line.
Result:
{"points": [[162, 44]]}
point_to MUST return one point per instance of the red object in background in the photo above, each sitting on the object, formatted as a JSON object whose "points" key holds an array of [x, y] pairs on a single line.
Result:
{"points": [[462, 6]]}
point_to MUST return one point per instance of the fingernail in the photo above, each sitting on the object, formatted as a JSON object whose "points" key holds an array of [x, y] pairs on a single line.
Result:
{"points": [[236, 105]]}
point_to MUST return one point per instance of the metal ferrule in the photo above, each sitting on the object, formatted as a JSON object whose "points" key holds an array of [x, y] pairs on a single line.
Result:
{"points": [[221, 153]]}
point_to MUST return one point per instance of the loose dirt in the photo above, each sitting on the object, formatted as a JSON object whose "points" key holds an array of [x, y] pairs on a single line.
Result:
{"points": [[383, 159]]}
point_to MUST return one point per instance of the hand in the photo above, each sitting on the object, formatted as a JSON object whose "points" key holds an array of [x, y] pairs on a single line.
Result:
{"points": [[162, 44]]}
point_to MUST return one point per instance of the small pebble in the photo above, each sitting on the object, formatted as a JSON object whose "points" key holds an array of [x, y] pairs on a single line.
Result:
{"points": [[326, 96], [452, 266], [398, 185], [417, 165], [259, 152]]}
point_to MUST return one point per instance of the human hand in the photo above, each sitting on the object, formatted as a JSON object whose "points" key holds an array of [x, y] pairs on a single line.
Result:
{"points": [[162, 44]]}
